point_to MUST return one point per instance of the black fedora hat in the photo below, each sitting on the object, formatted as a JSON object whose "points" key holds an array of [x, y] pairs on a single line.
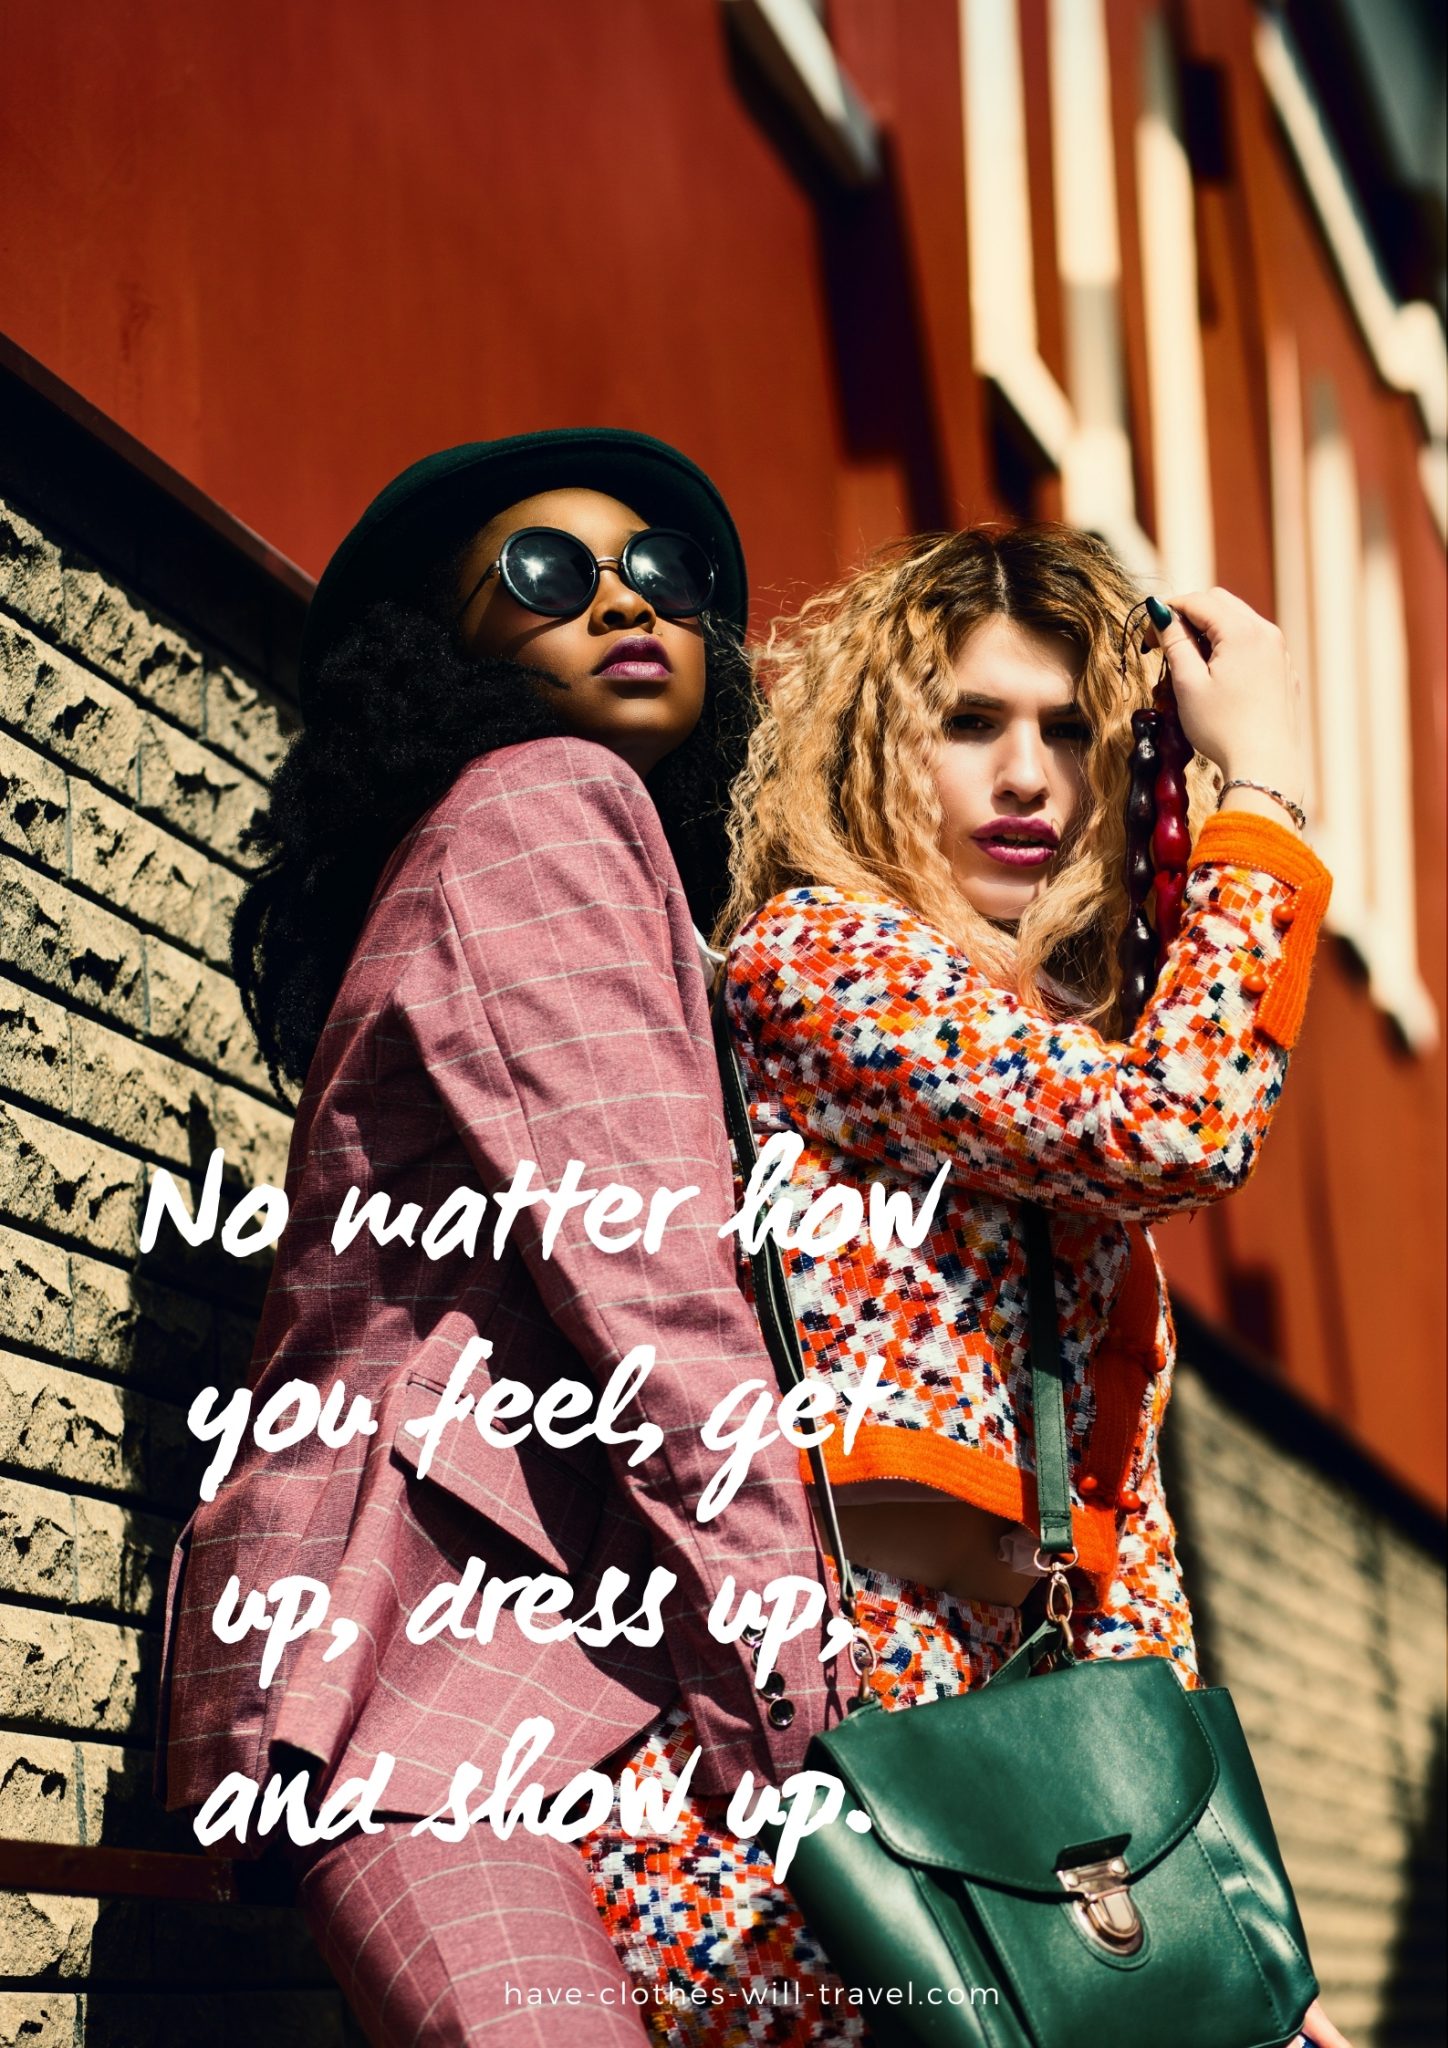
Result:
{"points": [[434, 503]]}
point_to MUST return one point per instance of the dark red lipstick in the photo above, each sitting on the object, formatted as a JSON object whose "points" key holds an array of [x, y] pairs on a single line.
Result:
{"points": [[639, 659], [1018, 842]]}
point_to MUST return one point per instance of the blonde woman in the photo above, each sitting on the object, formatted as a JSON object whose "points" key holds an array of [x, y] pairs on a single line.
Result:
{"points": [[928, 893]]}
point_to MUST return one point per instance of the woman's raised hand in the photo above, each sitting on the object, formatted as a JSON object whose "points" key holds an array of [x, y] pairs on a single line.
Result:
{"points": [[1318, 2030], [1236, 690]]}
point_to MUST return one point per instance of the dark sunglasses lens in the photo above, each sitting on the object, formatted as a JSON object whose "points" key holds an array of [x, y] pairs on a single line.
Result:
{"points": [[671, 571], [551, 573]]}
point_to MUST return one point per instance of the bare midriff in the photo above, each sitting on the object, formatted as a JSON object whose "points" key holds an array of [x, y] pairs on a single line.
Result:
{"points": [[947, 1543]]}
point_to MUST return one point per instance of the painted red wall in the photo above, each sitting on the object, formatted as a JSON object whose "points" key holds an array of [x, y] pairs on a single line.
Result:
{"points": [[291, 248]]}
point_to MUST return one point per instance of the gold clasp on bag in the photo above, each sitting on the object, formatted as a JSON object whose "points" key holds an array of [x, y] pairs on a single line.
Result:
{"points": [[1059, 1603], [1103, 1905]]}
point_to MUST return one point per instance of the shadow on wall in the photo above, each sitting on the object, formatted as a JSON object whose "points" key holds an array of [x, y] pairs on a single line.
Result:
{"points": [[876, 331], [881, 362], [1417, 1995], [233, 1977]]}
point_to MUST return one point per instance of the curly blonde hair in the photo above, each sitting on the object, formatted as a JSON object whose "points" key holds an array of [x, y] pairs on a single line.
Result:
{"points": [[840, 785]]}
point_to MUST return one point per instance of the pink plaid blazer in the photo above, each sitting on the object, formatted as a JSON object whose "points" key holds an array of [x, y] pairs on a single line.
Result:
{"points": [[526, 986]]}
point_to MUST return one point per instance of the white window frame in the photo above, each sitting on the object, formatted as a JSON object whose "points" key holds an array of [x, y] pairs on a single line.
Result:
{"points": [[791, 45], [1406, 340]]}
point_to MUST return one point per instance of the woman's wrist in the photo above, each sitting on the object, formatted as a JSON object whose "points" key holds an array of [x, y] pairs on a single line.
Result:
{"points": [[1280, 767], [1263, 799]]}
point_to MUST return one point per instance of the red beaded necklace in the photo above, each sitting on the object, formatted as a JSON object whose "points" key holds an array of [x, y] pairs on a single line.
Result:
{"points": [[1158, 838]]}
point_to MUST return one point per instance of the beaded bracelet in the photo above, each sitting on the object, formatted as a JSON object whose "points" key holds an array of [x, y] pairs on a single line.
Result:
{"points": [[1294, 811]]}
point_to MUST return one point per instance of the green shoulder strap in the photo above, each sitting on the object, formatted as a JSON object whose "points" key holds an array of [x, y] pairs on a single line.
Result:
{"points": [[1048, 1403], [771, 1289]]}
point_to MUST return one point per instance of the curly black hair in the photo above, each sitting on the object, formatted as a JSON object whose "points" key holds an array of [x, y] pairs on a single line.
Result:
{"points": [[401, 712]]}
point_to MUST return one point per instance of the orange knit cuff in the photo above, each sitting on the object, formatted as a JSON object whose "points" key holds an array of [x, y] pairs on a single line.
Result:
{"points": [[1241, 839], [884, 1450]]}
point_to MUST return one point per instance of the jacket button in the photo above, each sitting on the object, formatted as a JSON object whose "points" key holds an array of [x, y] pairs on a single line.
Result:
{"points": [[1128, 1500], [1087, 1485], [752, 1636], [773, 1686], [1254, 983], [1284, 915], [781, 1713]]}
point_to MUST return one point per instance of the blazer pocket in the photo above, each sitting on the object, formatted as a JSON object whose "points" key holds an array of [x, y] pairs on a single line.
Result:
{"points": [[538, 1496]]}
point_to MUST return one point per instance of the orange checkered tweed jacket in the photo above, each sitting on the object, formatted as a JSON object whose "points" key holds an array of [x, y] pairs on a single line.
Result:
{"points": [[869, 1035]]}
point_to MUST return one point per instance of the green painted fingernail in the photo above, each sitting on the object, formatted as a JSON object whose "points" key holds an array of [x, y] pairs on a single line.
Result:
{"points": [[1160, 614]]}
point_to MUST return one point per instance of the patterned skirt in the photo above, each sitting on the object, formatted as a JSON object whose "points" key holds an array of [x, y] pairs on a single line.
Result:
{"points": [[717, 1952]]}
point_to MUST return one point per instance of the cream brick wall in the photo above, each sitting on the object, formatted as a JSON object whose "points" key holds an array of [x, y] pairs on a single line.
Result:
{"points": [[1327, 1622], [130, 765]]}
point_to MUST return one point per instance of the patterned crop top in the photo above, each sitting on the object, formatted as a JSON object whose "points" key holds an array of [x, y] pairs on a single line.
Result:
{"points": [[869, 1035]]}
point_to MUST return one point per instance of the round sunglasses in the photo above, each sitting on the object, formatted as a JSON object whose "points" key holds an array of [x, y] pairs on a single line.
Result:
{"points": [[551, 572]]}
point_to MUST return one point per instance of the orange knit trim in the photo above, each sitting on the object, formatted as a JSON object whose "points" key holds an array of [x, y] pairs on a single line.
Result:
{"points": [[1125, 1359], [885, 1451], [1240, 839], [1131, 1326]]}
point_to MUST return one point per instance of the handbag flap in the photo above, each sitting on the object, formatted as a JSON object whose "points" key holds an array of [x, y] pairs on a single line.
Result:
{"points": [[1007, 1786]]}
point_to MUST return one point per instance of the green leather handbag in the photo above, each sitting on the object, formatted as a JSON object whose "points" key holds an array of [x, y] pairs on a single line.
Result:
{"points": [[1075, 1855]]}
